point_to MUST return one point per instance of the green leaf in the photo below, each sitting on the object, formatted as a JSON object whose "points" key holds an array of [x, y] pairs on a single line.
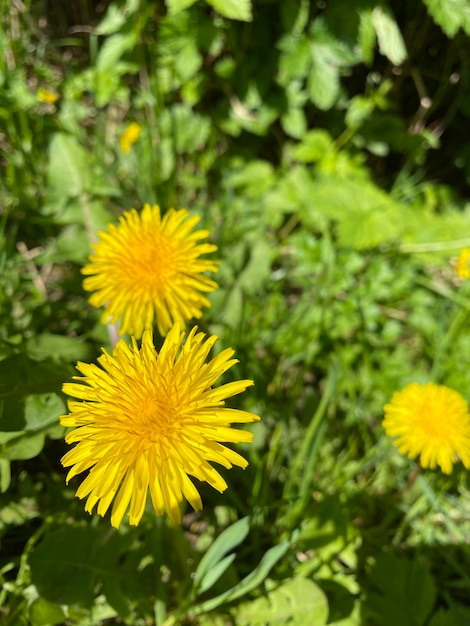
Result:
{"points": [[294, 122], [295, 58], [215, 573], [366, 36], [390, 40], [233, 9], [43, 410], [457, 615], [254, 178], [250, 582], [44, 613], [258, 268], [175, 6], [366, 215], [450, 15], [5, 474], [113, 49], [57, 347], [26, 445], [405, 591], [64, 568], [233, 310], [314, 146], [68, 173], [225, 542], [323, 79], [116, 18], [296, 602]]}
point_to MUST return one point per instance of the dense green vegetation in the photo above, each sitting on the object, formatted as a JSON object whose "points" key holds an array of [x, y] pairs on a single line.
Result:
{"points": [[324, 146]]}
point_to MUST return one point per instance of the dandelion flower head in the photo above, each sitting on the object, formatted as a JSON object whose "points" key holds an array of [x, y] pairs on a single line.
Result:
{"points": [[148, 269], [147, 421], [462, 266], [46, 95], [431, 421], [129, 137]]}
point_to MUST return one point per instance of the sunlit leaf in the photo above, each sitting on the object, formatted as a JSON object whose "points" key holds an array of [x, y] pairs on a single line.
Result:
{"points": [[175, 6], [296, 602], [450, 15], [233, 9], [390, 39]]}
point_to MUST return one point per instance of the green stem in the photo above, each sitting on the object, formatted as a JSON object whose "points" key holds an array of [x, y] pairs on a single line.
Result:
{"points": [[305, 459]]}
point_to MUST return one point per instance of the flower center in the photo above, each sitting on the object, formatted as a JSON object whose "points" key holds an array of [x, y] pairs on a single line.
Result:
{"points": [[157, 420], [151, 264]]}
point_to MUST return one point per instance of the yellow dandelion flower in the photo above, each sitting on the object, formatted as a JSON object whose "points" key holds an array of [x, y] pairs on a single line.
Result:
{"points": [[147, 422], [148, 268], [431, 421], [46, 96], [129, 137], [462, 266]]}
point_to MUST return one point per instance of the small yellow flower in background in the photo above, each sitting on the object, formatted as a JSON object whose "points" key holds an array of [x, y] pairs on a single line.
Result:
{"points": [[431, 421], [129, 137], [148, 269], [46, 96], [147, 421], [462, 266]]}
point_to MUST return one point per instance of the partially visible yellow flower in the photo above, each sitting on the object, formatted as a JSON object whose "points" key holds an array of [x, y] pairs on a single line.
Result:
{"points": [[46, 96], [148, 268], [431, 421], [129, 136], [147, 422], [462, 266]]}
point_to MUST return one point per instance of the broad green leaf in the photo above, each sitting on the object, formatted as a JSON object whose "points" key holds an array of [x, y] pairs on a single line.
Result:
{"points": [[313, 147], [323, 79], [25, 446], [457, 615], [119, 559], [296, 602], [366, 215], [117, 17], [57, 347], [295, 58], [225, 542], [233, 9], [188, 61], [258, 268], [254, 178], [44, 613], [43, 410], [113, 49], [390, 39], [405, 591], [21, 377], [358, 111], [68, 173], [450, 15], [294, 122], [233, 310], [64, 567], [175, 6]]}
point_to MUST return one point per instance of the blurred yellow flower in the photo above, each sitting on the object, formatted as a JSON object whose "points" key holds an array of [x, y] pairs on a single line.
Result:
{"points": [[129, 136], [148, 269], [147, 422], [46, 96], [462, 266], [431, 421]]}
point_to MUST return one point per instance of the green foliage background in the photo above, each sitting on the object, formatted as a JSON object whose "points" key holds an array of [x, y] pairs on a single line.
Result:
{"points": [[324, 145]]}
